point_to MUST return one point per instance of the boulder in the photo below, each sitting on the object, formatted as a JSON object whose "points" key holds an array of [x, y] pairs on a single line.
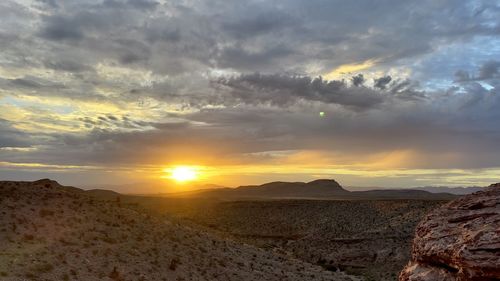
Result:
{"points": [[458, 241]]}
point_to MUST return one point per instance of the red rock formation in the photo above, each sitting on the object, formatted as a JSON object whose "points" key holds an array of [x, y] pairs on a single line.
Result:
{"points": [[459, 241]]}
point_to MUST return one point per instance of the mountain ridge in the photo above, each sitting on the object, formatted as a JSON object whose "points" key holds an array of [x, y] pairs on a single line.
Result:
{"points": [[317, 189]]}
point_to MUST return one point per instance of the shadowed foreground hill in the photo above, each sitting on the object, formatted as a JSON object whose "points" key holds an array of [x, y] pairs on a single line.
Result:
{"points": [[51, 232]]}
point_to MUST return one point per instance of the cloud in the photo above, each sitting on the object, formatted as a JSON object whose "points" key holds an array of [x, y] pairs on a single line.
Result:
{"points": [[281, 90], [259, 36], [12, 137], [382, 82], [358, 80], [62, 28], [489, 70], [144, 82]]}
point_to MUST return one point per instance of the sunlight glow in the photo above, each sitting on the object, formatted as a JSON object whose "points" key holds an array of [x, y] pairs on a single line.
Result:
{"points": [[183, 173], [348, 69]]}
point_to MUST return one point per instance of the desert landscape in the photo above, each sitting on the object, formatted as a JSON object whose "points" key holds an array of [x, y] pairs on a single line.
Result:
{"points": [[51, 232], [249, 140], [55, 232]]}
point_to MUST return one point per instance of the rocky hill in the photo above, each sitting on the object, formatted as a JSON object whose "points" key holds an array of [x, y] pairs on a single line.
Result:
{"points": [[459, 241], [52, 232], [318, 189]]}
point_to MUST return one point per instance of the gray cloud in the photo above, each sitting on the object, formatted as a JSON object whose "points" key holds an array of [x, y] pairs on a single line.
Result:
{"points": [[195, 56], [358, 80], [382, 82], [12, 137], [457, 131], [284, 90], [489, 70], [66, 65], [260, 36], [62, 28], [257, 23]]}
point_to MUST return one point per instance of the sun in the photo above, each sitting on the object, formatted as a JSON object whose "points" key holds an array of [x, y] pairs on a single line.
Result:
{"points": [[183, 173]]}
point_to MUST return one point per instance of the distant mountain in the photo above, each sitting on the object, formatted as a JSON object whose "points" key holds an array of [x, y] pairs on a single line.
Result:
{"points": [[452, 190], [318, 189], [103, 194], [432, 189], [158, 188], [323, 188], [401, 194]]}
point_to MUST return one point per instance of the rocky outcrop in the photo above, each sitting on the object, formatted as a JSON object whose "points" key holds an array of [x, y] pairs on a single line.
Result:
{"points": [[459, 241]]}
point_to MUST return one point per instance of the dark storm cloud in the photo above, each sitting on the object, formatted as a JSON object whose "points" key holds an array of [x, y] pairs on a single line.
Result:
{"points": [[465, 136], [239, 58], [157, 55], [466, 129], [258, 23], [282, 90], [137, 4], [12, 137], [488, 70], [262, 36], [62, 28], [382, 82], [50, 3], [462, 75], [31, 83], [66, 65], [358, 80]]}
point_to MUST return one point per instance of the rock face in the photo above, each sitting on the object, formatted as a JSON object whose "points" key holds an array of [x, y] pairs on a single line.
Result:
{"points": [[459, 241]]}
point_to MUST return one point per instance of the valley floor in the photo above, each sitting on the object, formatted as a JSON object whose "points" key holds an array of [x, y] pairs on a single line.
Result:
{"points": [[367, 238], [51, 232]]}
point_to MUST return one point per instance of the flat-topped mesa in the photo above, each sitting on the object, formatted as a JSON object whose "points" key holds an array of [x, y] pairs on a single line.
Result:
{"points": [[459, 241], [325, 182]]}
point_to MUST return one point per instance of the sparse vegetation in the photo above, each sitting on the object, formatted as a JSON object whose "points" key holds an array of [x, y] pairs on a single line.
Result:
{"points": [[370, 239], [63, 234]]}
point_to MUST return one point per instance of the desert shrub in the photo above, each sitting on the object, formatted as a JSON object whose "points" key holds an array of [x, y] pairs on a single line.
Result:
{"points": [[28, 237], [115, 275], [44, 213], [173, 264], [73, 272], [43, 267], [109, 240]]}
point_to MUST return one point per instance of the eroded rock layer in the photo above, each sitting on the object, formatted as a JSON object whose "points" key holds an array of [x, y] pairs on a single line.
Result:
{"points": [[459, 241]]}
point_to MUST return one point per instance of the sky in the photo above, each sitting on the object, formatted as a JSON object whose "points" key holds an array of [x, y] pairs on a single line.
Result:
{"points": [[372, 93]]}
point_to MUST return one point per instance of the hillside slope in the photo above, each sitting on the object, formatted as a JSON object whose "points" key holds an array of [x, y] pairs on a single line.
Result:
{"points": [[51, 232]]}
